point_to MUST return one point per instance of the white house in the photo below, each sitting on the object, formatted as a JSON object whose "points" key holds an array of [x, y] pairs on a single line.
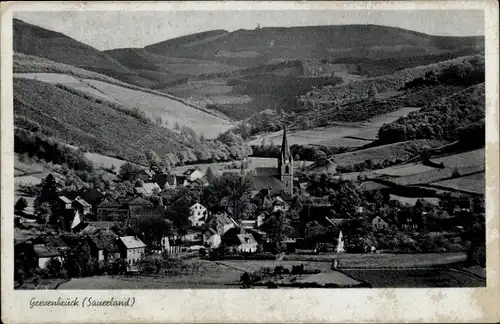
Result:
{"points": [[211, 238], [65, 203], [148, 188], [198, 214], [193, 174], [132, 249]]}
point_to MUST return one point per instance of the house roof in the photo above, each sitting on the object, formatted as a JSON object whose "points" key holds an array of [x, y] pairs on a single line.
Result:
{"points": [[82, 202], [246, 238], [102, 224], [378, 216], [180, 178], [188, 172], [266, 182], [141, 190], [140, 201], [65, 200], [149, 186], [164, 178], [105, 241], [266, 171], [147, 172], [132, 242], [44, 251], [110, 203]]}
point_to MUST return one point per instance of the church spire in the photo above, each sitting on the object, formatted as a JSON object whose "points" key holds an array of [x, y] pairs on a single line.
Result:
{"points": [[286, 155]]}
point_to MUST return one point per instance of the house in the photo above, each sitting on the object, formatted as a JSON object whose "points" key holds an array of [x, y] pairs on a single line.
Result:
{"points": [[44, 254], [165, 181], [193, 174], [193, 236], [239, 240], [148, 189], [64, 203], [181, 181], [82, 206], [327, 240], [104, 246], [145, 175], [92, 196], [198, 214], [252, 223], [211, 238], [112, 210], [220, 221], [131, 249], [379, 223]]}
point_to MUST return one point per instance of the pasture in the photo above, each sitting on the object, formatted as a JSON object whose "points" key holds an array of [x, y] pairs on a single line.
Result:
{"points": [[473, 183], [340, 135], [416, 278], [169, 110]]}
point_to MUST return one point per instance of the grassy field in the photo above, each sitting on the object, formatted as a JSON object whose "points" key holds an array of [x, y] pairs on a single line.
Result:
{"points": [[412, 201], [341, 135], [254, 162], [168, 109], [209, 275], [416, 278], [474, 183]]}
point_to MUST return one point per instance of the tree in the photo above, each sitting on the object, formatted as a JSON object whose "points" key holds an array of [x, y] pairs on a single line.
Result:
{"points": [[346, 198], [373, 92], [44, 213], [209, 174], [21, 204], [152, 229], [48, 193], [129, 172], [277, 227], [156, 164], [320, 158]]}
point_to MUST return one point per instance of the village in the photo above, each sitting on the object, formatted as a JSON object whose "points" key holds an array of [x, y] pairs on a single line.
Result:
{"points": [[266, 213]]}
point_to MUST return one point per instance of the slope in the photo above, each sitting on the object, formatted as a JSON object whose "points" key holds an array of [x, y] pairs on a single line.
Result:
{"points": [[34, 40], [268, 43], [74, 119]]}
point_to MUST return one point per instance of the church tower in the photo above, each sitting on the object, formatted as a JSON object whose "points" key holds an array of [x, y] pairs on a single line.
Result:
{"points": [[285, 164]]}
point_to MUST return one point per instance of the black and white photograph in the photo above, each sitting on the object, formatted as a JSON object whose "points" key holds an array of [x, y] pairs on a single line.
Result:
{"points": [[249, 149]]}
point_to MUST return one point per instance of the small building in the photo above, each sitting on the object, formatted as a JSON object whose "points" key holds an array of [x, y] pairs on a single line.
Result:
{"points": [[145, 175], [131, 249], [193, 174], [198, 214], [239, 240], [165, 180], [220, 221], [379, 223], [82, 206], [64, 203], [112, 210], [211, 238], [44, 254], [104, 247], [148, 189]]}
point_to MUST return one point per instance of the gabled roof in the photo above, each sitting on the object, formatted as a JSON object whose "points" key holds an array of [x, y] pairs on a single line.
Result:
{"points": [[246, 238], [132, 242], [266, 171], [164, 178], [110, 203], [64, 199], [105, 241], [149, 186], [140, 201], [385, 220], [141, 190], [190, 171], [180, 178], [82, 202], [44, 251], [266, 182], [147, 172]]}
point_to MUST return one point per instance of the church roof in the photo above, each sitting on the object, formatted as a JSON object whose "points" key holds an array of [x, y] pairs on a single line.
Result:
{"points": [[266, 182]]}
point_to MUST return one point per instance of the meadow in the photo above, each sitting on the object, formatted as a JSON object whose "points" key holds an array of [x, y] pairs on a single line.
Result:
{"points": [[473, 183]]}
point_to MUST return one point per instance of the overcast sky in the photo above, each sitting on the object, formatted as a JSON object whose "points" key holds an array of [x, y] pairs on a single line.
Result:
{"points": [[117, 29]]}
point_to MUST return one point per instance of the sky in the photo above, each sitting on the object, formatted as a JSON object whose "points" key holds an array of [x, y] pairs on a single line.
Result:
{"points": [[119, 29]]}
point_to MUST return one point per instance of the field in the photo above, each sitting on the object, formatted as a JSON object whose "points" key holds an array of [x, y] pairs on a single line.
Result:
{"points": [[153, 105], [226, 273], [254, 162], [474, 183], [416, 278], [412, 201], [341, 135], [104, 161], [379, 154]]}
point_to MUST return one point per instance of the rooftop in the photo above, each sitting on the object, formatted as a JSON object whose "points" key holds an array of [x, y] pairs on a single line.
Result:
{"points": [[132, 242]]}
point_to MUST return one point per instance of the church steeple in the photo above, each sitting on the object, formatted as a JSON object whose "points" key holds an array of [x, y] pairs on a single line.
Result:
{"points": [[285, 163]]}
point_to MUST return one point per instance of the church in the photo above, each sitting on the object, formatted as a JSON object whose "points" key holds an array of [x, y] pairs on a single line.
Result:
{"points": [[278, 179]]}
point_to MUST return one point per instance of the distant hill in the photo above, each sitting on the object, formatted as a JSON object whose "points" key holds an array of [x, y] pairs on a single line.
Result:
{"points": [[34, 40], [316, 42]]}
